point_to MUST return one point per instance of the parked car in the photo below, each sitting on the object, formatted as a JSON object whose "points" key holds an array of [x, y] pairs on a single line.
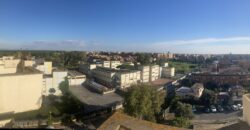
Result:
{"points": [[207, 110], [234, 107], [213, 109], [240, 106], [194, 109], [228, 107], [220, 108]]}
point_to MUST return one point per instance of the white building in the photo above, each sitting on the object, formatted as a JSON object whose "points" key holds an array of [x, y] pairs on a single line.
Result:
{"points": [[167, 72], [114, 64], [144, 73], [76, 78], [46, 67], [20, 92], [8, 64], [53, 82], [106, 64], [246, 108], [86, 68], [154, 72]]}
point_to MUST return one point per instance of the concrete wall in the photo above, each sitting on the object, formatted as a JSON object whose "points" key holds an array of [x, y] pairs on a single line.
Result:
{"points": [[19, 93], [47, 67], [58, 77], [8, 66], [246, 108], [77, 80]]}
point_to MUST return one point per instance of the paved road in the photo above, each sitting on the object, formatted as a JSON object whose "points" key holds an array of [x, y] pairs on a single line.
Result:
{"points": [[218, 116]]}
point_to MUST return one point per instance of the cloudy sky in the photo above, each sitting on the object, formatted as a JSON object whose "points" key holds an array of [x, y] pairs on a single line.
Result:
{"points": [[178, 26]]}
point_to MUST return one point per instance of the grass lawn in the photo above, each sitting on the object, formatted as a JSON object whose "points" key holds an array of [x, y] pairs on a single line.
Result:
{"points": [[182, 67]]}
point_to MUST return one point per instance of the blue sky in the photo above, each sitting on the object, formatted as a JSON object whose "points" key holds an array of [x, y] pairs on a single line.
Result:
{"points": [[178, 26]]}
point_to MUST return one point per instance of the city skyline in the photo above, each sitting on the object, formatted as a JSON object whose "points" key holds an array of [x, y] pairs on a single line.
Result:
{"points": [[191, 26]]}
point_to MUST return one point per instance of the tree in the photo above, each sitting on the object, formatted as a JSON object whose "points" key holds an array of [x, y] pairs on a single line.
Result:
{"points": [[144, 58], [64, 86], [52, 90], [144, 102], [208, 97], [181, 122], [183, 110]]}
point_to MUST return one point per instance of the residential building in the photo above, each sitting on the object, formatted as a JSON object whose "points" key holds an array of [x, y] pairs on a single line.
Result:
{"points": [[21, 91], [76, 78], [52, 82], [116, 78], [246, 108], [114, 64], [195, 91], [106, 64], [103, 75], [125, 79], [8, 64], [46, 67], [86, 68], [29, 63], [154, 73], [144, 73], [167, 72]]}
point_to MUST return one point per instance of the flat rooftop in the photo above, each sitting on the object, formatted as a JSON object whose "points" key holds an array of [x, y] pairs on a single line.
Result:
{"points": [[115, 70], [75, 73], [94, 100], [24, 71]]}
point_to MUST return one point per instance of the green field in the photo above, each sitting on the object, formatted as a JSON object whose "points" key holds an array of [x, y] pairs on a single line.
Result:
{"points": [[182, 67]]}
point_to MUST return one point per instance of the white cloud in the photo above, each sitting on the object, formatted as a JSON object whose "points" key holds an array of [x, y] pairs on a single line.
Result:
{"points": [[204, 45], [202, 41]]}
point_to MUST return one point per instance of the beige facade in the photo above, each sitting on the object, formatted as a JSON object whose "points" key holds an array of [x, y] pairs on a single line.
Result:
{"points": [[20, 92], [246, 108], [144, 73], [154, 72], [114, 64], [29, 63], [126, 79], [46, 67], [197, 89], [116, 78], [106, 64], [53, 82], [168, 72], [8, 65]]}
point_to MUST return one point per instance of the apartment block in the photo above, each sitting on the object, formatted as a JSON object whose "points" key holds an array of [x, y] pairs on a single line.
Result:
{"points": [[86, 68], [126, 79], [114, 64], [21, 91], [167, 72], [46, 67], [76, 78], [116, 78], [154, 72], [106, 64], [103, 75], [8, 64], [144, 73], [246, 108]]}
